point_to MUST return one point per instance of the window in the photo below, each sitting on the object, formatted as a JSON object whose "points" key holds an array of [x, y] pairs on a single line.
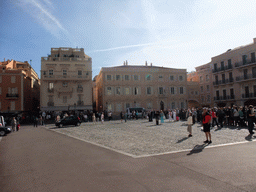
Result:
{"points": [[149, 91], [127, 91], [0, 79], [50, 86], [244, 57], [12, 105], [136, 90], [12, 90], [222, 65], [118, 77], [127, 77], [13, 79], [196, 92], [148, 77], [109, 77], [65, 99], [202, 88], [181, 90], [173, 105], [202, 98], [172, 78], [201, 79], [79, 86], [64, 72], [51, 72], [161, 90], [207, 77], [180, 78], [253, 57], [136, 77], [65, 84], [215, 66], [118, 91], [229, 63], [160, 77], [109, 90], [149, 105], [172, 90], [208, 88], [80, 72], [182, 105], [208, 98]]}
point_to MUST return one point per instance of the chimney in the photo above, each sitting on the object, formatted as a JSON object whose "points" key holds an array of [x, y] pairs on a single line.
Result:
{"points": [[254, 40], [126, 62], [146, 63]]}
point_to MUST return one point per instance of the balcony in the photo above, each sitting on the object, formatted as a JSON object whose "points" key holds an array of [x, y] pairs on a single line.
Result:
{"points": [[248, 95], [223, 82], [225, 68], [50, 103], [65, 90], [64, 59], [12, 96], [246, 77], [224, 98], [244, 64]]}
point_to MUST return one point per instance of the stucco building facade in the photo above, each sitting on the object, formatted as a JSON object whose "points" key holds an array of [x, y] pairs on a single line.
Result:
{"points": [[147, 86], [66, 80]]}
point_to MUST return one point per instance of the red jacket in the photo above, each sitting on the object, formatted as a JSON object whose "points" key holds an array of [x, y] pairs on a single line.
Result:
{"points": [[206, 118]]}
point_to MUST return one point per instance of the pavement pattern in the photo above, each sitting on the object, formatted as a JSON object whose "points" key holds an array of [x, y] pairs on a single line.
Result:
{"points": [[141, 138]]}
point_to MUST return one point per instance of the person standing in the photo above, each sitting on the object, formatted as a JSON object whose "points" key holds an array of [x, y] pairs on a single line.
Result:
{"points": [[214, 118], [94, 118], [14, 124], [250, 117], [190, 123], [35, 121], [121, 116], [174, 115], [170, 116], [206, 126], [102, 117], [162, 116]]}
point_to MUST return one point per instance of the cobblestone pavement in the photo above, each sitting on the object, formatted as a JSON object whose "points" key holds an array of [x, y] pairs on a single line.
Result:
{"points": [[138, 138]]}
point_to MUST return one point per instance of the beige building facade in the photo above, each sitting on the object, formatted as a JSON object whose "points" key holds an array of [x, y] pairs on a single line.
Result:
{"points": [[234, 76], [147, 86], [66, 80]]}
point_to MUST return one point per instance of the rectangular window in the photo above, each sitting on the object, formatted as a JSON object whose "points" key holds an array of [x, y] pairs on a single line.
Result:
{"points": [[182, 105], [65, 84], [13, 79], [217, 95], [0, 79], [202, 98], [253, 57], [65, 98], [254, 90], [208, 98], [207, 77], [215, 66], [127, 91], [160, 77], [148, 90], [50, 86], [172, 90], [201, 79], [173, 105], [109, 90], [12, 105], [181, 90], [51, 72], [118, 91], [254, 72], [148, 77], [223, 78], [229, 64], [172, 78], [224, 94], [202, 88], [232, 93], [64, 72], [108, 77], [161, 90], [80, 72], [180, 78], [208, 88], [245, 73], [222, 65], [136, 77], [127, 77], [118, 77], [136, 90], [244, 57]]}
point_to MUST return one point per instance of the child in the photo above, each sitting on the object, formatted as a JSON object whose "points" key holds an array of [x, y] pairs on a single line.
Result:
{"points": [[190, 123]]}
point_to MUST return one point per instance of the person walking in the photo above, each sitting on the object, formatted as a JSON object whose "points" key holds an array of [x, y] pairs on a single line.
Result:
{"points": [[190, 123], [102, 117], [14, 124], [214, 118], [250, 117], [206, 126]]}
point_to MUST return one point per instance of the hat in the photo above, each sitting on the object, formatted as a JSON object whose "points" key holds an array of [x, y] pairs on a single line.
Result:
{"points": [[250, 106]]}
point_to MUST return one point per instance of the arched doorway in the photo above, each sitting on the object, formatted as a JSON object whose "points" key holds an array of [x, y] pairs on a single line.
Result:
{"points": [[161, 105]]}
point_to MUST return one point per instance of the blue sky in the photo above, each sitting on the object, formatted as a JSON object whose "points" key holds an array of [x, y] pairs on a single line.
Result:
{"points": [[170, 33]]}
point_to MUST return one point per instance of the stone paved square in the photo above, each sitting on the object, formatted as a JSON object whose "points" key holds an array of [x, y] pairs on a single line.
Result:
{"points": [[142, 138]]}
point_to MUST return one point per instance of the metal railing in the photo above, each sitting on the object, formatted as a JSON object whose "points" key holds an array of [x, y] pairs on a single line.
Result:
{"points": [[222, 68]]}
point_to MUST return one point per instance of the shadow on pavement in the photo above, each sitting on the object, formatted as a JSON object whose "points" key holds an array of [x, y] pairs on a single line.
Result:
{"points": [[181, 140], [197, 149]]}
